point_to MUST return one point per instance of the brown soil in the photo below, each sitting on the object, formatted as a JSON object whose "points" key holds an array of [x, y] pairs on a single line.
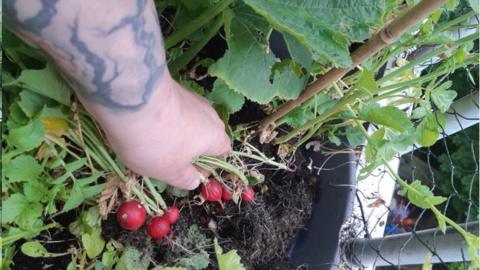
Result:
{"points": [[261, 231]]}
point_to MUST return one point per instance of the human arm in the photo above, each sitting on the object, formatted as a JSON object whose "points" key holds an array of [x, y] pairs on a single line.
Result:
{"points": [[111, 53]]}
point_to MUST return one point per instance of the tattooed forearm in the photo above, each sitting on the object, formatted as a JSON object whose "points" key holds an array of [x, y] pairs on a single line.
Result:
{"points": [[110, 50]]}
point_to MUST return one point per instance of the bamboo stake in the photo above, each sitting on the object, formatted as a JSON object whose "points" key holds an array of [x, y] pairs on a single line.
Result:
{"points": [[384, 37]]}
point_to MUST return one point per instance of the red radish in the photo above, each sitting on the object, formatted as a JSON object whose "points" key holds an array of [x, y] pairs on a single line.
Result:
{"points": [[171, 214], [158, 227], [212, 191], [226, 195], [131, 215], [248, 194]]}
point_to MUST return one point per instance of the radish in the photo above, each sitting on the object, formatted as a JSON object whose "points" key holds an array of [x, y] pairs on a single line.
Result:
{"points": [[248, 194], [171, 214], [226, 195], [158, 227], [212, 191], [131, 215]]}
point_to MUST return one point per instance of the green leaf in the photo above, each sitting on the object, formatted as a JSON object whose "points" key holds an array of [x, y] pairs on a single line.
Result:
{"points": [[81, 192], [69, 169], [229, 260], [87, 222], [388, 116], [13, 207], [45, 82], [298, 51], [17, 114], [177, 192], [22, 168], [429, 129], [334, 139], [32, 103], [246, 66], [355, 136], [194, 86], [419, 112], [443, 98], [367, 82], [374, 143], [298, 116], [35, 191], [424, 197], [472, 249], [27, 137], [18, 209], [198, 260], [34, 249], [326, 26], [222, 95], [132, 259], [93, 243], [109, 257], [172, 268]]}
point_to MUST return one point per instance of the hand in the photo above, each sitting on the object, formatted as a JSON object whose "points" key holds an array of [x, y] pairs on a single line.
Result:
{"points": [[163, 138], [112, 55]]}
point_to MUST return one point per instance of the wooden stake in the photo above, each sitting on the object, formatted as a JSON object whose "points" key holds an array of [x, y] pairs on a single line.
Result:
{"points": [[384, 37]]}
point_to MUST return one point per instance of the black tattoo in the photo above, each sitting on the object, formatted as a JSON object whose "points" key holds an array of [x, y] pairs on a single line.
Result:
{"points": [[97, 72], [146, 40], [34, 24], [104, 90]]}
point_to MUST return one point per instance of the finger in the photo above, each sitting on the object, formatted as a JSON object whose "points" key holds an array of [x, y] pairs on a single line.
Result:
{"points": [[219, 148], [188, 178], [203, 171]]}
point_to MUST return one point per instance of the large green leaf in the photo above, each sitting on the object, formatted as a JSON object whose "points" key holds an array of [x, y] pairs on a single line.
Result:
{"points": [[388, 116], [443, 98], [22, 168], [27, 137], [31, 103], [326, 26], [429, 129], [18, 208], [298, 51], [224, 96], [247, 65], [45, 82]]}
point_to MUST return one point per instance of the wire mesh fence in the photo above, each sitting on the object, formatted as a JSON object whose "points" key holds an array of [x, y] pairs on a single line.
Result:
{"points": [[386, 231]]}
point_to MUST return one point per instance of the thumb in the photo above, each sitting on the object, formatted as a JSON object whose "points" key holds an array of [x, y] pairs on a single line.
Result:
{"points": [[187, 178]]}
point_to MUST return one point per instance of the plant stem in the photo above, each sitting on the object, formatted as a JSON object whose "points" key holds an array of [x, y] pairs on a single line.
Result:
{"points": [[114, 166], [339, 107], [432, 207], [425, 57], [470, 60], [264, 160], [188, 55], [12, 238], [158, 198], [385, 36], [455, 21], [196, 24], [223, 165]]}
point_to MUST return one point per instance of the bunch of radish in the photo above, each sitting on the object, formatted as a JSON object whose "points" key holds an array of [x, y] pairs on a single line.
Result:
{"points": [[131, 215], [213, 191]]}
